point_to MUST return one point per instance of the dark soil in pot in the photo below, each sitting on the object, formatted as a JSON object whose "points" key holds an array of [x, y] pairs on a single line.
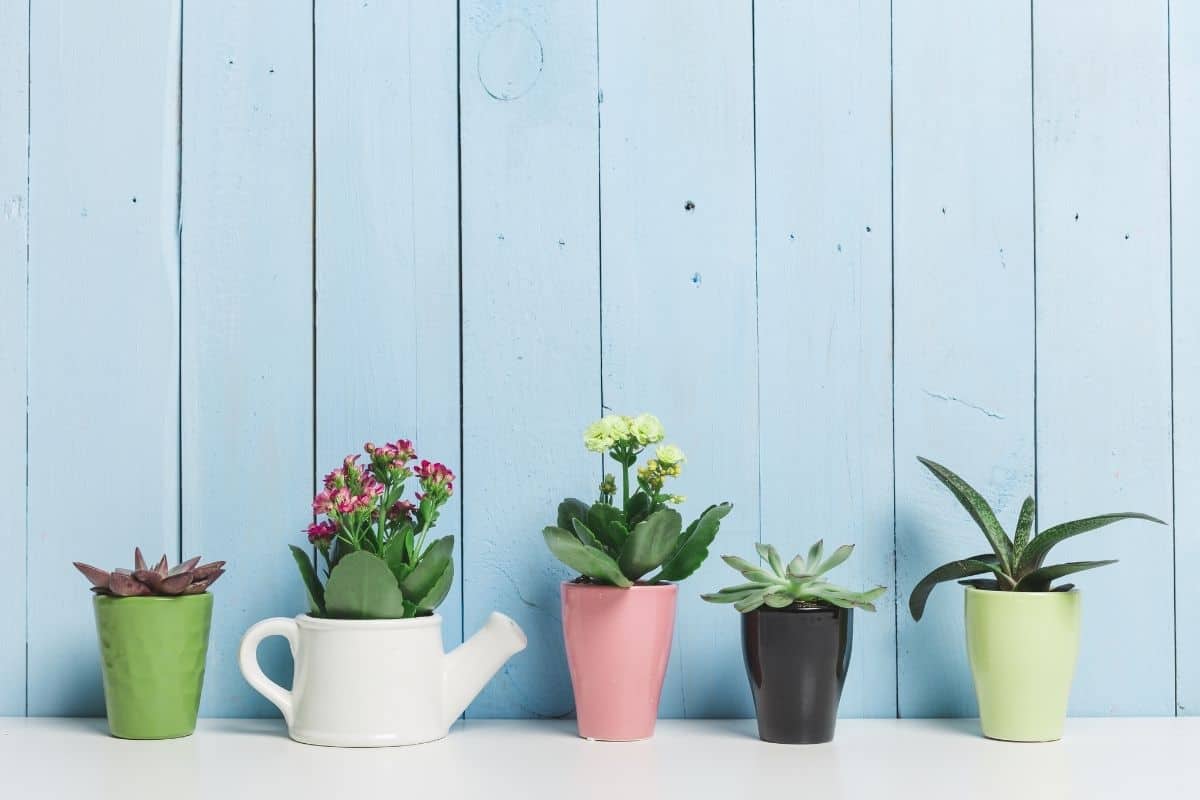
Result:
{"points": [[796, 659]]}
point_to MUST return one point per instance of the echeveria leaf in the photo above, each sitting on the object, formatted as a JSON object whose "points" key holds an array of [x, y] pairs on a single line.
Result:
{"points": [[815, 554], [1036, 550], [583, 559], [362, 586], [1039, 580], [693, 544], [797, 568], [979, 510], [750, 571], [952, 571], [836, 559], [650, 543]]}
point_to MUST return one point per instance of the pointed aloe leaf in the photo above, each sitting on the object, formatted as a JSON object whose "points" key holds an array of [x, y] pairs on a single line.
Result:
{"points": [[838, 556], [965, 568], [650, 543], [693, 544], [1024, 527], [316, 593], [583, 559], [815, 554], [979, 510], [1039, 580], [1036, 550], [980, 583]]}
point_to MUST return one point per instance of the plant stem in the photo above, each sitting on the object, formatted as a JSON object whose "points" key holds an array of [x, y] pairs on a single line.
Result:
{"points": [[625, 485]]}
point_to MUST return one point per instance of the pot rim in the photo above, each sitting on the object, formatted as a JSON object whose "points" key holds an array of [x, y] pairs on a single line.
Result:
{"points": [[793, 609], [152, 598], [653, 587], [989, 592], [327, 623]]}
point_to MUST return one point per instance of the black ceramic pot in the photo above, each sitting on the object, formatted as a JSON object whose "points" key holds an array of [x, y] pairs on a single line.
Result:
{"points": [[796, 659]]}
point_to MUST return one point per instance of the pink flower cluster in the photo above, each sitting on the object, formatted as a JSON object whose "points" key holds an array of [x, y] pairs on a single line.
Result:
{"points": [[321, 532], [435, 478], [395, 454]]}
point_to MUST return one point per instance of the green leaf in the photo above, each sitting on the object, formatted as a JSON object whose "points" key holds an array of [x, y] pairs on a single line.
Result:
{"points": [[1024, 526], [428, 571], [570, 509], [778, 600], [1039, 580], [637, 508], [838, 557], [584, 534], [362, 586], [1036, 550], [769, 554], [607, 523], [979, 510], [439, 590], [650, 542], [981, 583], [751, 571], [750, 603], [814, 556], [316, 594], [1001, 576], [396, 558], [726, 596], [583, 559], [952, 571], [693, 544], [797, 568]]}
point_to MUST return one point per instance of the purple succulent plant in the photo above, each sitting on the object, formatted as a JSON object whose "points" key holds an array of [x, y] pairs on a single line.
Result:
{"points": [[156, 581]]}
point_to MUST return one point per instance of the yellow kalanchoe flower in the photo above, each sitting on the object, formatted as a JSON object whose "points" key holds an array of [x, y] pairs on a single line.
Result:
{"points": [[669, 455], [647, 429]]}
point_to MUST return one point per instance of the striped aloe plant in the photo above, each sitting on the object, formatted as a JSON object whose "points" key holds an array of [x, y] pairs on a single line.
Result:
{"points": [[1017, 564]]}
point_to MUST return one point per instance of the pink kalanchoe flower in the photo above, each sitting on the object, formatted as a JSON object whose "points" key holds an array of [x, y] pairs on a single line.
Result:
{"points": [[401, 509], [334, 479], [323, 502], [321, 532], [435, 475], [344, 502]]}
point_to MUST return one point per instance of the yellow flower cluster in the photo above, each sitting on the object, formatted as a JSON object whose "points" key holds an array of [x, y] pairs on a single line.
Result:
{"points": [[613, 429]]}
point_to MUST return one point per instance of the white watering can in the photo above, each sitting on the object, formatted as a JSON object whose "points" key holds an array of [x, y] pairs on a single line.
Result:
{"points": [[375, 683]]}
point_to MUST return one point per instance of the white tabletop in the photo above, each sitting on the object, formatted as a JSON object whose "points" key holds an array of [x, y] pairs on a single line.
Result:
{"points": [[1134, 759]]}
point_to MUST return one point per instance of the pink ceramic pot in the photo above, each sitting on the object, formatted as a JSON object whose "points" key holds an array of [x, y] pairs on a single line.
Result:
{"points": [[618, 643]]}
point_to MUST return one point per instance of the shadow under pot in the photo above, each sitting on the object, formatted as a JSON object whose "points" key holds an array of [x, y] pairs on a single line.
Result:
{"points": [[618, 643], [796, 659]]}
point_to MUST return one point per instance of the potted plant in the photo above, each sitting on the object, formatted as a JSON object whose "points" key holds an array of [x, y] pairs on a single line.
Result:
{"points": [[618, 617], [797, 629], [373, 582], [152, 624], [1022, 631]]}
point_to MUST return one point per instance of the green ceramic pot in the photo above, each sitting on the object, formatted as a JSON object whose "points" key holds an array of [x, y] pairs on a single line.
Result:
{"points": [[1022, 648], [152, 652]]}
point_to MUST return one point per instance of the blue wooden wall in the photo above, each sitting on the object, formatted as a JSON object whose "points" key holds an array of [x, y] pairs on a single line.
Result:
{"points": [[239, 238]]}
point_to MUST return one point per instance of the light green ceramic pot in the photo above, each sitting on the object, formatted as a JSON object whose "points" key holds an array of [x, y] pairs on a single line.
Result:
{"points": [[1022, 648], [152, 653]]}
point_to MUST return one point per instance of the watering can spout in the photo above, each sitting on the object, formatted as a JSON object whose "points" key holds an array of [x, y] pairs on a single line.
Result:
{"points": [[472, 664]]}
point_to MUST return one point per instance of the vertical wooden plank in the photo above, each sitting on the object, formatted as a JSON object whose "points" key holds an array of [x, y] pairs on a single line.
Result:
{"points": [[678, 286], [247, 318], [387, 237], [531, 355], [822, 105], [14, 204], [103, 320], [964, 326], [1104, 336], [1185, 248]]}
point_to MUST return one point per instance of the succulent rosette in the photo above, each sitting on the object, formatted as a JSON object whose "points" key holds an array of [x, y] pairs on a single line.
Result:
{"points": [[370, 544]]}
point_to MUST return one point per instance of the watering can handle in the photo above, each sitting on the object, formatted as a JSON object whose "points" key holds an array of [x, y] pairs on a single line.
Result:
{"points": [[252, 671]]}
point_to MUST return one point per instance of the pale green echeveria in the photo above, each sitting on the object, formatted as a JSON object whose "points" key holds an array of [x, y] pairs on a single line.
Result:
{"points": [[778, 585]]}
